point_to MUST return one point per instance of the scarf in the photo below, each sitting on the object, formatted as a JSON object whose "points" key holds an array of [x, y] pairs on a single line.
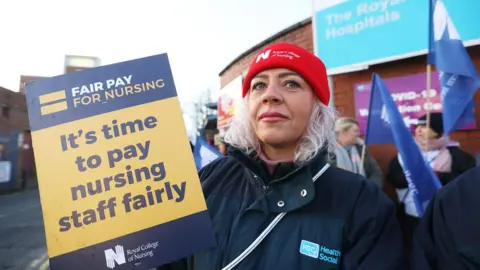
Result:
{"points": [[438, 155], [349, 159]]}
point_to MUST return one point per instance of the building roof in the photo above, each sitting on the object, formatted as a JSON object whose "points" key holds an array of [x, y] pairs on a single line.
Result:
{"points": [[8, 91], [266, 41]]}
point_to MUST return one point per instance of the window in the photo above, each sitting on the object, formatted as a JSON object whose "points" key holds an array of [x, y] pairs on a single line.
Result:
{"points": [[6, 112]]}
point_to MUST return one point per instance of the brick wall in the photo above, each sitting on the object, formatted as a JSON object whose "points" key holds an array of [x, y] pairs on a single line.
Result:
{"points": [[26, 78], [13, 111], [343, 88], [344, 99]]}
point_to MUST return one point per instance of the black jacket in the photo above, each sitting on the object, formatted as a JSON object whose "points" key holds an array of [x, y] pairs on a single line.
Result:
{"points": [[461, 162], [347, 220], [448, 237]]}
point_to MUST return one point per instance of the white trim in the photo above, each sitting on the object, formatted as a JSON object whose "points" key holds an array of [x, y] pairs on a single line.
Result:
{"points": [[365, 65]]}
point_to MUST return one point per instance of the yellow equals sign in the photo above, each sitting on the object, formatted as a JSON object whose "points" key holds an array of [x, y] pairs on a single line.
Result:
{"points": [[53, 102]]}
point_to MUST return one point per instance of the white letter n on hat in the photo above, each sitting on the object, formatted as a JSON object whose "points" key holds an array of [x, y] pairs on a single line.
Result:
{"points": [[263, 56]]}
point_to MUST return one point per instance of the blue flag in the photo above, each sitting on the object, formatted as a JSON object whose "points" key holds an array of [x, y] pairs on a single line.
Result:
{"points": [[204, 153], [458, 77], [377, 130], [422, 181]]}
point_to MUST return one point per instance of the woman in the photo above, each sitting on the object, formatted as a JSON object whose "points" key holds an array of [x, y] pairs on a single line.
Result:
{"points": [[446, 159], [349, 155], [279, 142]]}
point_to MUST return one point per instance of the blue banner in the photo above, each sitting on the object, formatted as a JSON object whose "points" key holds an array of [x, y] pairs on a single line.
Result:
{"points": [[352, 32], [458, 78], [422, 181], [204, 153], [376, 121]]}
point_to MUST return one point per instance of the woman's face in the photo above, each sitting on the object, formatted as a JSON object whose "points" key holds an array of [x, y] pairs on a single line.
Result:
{"points": [[280, 105], [422, 133], [350, 135]]}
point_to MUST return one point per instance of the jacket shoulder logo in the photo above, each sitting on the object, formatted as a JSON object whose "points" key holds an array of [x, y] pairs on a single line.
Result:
{"points": [[322, 253]]}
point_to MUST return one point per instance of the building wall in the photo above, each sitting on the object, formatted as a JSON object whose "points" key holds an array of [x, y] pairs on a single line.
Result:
{"points": [[13, 111], [344, 100], [26, 78], [344, 92], [14, 117]]}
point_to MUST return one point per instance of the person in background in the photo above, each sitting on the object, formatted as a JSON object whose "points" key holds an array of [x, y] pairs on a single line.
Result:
{"points": [[448, 236], [222, 147], [445, 157], [348, 155], [220, 144], [210, 139], [276, 167]]}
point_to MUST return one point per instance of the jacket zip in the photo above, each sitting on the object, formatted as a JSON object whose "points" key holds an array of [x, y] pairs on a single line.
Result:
{"points": [[261, 182]]}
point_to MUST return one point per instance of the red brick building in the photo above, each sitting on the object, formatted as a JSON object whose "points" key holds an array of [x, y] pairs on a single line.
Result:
{"points": [[27, 78], [13, 116], [343, 84]]}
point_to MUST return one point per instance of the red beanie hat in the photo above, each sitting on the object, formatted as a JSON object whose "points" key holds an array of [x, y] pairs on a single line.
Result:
{"points": [[294, 58]]}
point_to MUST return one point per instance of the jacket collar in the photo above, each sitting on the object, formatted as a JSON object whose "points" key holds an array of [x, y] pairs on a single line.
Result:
{"points": [[291, 185]]}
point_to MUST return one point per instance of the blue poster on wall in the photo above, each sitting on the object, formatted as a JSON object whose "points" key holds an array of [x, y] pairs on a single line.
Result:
{"points": [[363, 32]]}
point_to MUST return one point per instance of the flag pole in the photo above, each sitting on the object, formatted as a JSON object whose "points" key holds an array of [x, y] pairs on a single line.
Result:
{"points": [[363, 155], [429, 105]]}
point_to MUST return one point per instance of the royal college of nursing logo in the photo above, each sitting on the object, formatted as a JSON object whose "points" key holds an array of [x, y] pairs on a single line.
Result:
{"points": [[53, 102], [277, 53], [117, 256]]}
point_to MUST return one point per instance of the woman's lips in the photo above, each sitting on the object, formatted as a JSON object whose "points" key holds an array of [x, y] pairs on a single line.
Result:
{"points": [[272, 117]]}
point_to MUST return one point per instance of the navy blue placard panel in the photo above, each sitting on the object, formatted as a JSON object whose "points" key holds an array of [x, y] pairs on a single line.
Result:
{"points": [[198, 235], [144, 70]]}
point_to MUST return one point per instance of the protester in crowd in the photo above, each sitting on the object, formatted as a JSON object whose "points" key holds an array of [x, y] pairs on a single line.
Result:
{"points": [[210, 140], [446, 159], [348, 155], [221, 144], [279, 141], [448, 237], [222, 148]]}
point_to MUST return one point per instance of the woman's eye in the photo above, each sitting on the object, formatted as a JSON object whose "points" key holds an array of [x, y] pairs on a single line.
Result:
{"points": [[292, 84], [258, 86]]}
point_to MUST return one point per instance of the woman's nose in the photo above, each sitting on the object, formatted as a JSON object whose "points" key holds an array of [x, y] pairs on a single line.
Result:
{"points": [[272, 95]]}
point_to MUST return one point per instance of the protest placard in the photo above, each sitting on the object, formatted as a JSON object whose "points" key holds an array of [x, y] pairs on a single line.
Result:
{"points": [[118, 183]]}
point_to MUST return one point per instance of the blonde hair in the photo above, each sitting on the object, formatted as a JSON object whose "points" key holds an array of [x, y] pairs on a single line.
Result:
{"points": [[318, 136], [344, 123]]}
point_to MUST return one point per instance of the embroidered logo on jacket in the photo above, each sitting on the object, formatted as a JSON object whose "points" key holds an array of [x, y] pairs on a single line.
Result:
{"points": [[309, 249], [322, 253]]}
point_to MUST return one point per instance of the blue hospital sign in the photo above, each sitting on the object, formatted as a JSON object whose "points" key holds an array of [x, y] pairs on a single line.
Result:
{"points": [[364, 32]]}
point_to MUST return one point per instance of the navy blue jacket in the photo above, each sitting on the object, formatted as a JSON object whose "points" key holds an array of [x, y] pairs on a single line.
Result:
{"points": [[342, 221], [448, 237]]}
